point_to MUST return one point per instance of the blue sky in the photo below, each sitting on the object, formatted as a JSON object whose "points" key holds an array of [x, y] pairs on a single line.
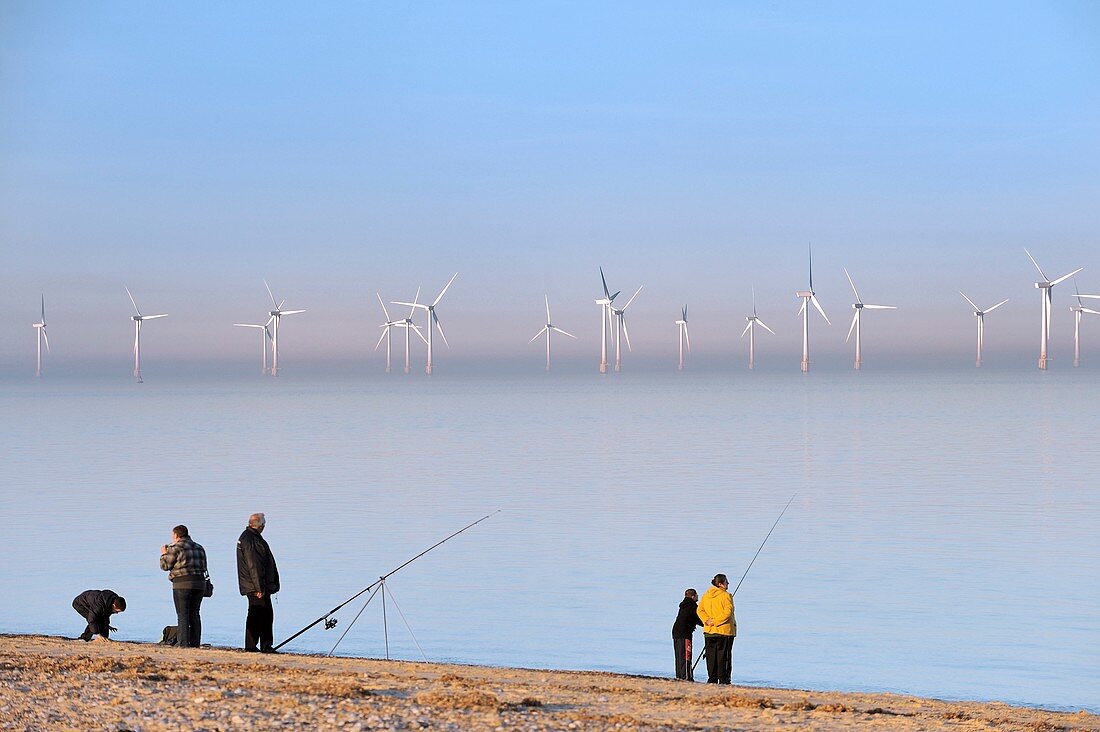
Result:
{"points": [[190, 150]]}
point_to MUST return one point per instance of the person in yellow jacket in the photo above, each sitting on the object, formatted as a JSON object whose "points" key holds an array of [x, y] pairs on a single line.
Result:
{"points": [[719, 630]]}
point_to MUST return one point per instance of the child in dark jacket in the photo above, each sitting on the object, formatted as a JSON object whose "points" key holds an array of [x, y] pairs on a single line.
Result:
{"points": [[682, 630]]}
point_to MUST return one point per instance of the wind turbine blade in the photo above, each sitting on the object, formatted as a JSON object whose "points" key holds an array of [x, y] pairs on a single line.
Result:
{"points": [[248, 325], [761, 324], [416, 329], [43, 309], [414, 305], [1002, 302], [383, 304], [291, 312], [554, 327], [746, 330], [880, 307], [1083, 310], [976, 308], [612, 298], [632, 298], [626, 334], [810, 250], [754, 301], [813, 299], [547, 299], [152, 317], [439, 326], [1091, 297], [853, 284], [444, 290], [47, 338], [381, 338], [687, 336], [270, 295], [1036, 264], [803, 308], [136, 310], [606, 292], [537, 335], [855, 319], [1063, 278]]}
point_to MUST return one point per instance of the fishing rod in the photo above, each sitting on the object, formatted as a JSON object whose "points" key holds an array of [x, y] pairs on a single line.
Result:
{"points": [[746, 574], [330, 622]]}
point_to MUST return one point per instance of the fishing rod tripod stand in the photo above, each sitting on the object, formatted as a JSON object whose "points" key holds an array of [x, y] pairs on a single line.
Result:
{"points": [[383, 589]]}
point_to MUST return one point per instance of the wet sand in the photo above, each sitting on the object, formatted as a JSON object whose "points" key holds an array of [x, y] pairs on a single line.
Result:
{"points": [[49, 683]]}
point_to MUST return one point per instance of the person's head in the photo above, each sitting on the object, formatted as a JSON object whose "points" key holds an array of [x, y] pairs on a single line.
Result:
{"points": [[119, 605], [720, 581], [691, 594], [180, 532], [257, 521]]}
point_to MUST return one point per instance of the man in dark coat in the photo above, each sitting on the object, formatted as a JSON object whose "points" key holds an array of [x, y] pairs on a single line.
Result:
{"points": [[97, 607], [258, 578], [682, 630]]}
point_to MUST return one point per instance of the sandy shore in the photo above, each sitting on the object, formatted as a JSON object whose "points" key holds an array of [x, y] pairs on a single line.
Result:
{"points": [[57, 684]]}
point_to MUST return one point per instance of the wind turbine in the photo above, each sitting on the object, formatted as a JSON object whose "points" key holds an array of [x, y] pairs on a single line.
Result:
{"points": [[682, 325], [40, 336], [404, 323], [432, 318], [620, 329], [605, 320], [859, 307], [1045, 286], [276, 316], [751, 330], [546, 329], [265, 336], [137, 334], [980, 315], [808, 296], [1077, 311]]}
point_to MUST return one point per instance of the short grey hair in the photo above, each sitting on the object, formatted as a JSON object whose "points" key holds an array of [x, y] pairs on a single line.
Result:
{"points": [[257, 520]]}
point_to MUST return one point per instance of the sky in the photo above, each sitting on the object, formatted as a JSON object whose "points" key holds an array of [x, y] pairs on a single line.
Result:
{"points": [[191, 150]]}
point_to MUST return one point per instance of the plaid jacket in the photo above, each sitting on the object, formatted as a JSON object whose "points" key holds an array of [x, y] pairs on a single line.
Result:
{"points": [[184, 557]]}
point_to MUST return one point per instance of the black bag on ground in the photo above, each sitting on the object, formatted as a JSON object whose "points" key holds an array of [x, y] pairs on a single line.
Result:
{"points": [[168, 636]]}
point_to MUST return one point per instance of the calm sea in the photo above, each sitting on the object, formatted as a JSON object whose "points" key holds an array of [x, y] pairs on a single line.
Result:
{"points": [[944, 539]]}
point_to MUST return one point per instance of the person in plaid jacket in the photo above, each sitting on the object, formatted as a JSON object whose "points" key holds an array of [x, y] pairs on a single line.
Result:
{"points": [[185, 563]]}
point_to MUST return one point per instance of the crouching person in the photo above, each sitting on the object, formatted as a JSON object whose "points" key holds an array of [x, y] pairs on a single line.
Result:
{"points": [[97, 607]]}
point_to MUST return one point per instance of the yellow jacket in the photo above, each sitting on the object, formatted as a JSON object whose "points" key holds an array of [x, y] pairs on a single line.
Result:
{"points": [[716, 606]]}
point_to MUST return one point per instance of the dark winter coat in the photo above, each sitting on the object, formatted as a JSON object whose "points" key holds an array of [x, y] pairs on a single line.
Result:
{"points": [[95, 606], [687, 620], [256, 570]]}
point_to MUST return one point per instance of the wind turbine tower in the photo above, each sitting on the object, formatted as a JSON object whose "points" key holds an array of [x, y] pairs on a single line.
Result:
{"points": [[682, 326], [808, 296], [276, 317], [138, 319], [980, 315], [605, 320], [1045, 286], [40, 336], [1078, 310], [754, 321], [859, 307], [433, 320], [546, 329]]}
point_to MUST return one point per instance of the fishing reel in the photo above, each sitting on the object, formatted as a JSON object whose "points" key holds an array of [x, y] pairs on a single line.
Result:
{"points": [[330, 623]]}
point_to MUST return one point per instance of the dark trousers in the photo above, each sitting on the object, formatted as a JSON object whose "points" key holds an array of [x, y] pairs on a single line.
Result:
{"points": [[682, 648], [258, 624], [188, 625], [719, 649]]}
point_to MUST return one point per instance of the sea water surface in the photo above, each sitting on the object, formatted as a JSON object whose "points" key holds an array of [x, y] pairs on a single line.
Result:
{"points": [[944, 537]]}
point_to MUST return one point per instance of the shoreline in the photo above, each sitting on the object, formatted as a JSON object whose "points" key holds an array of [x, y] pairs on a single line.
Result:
{"points": [[54, 683]]}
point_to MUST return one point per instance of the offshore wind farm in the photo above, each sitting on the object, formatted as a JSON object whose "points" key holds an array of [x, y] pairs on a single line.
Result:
{"points": [[702, 196]]}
